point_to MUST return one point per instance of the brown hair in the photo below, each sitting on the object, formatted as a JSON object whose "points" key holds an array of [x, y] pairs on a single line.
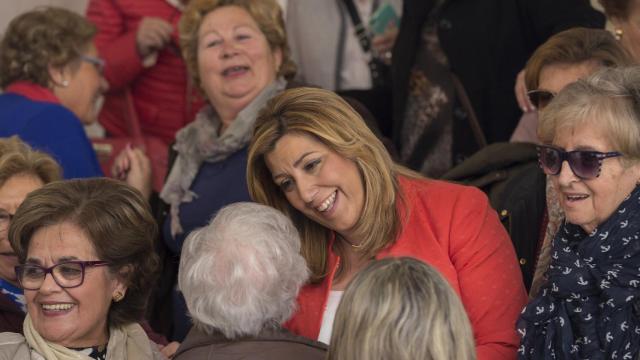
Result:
{"points": [[35, 40], [575, 46], [16, 157], [326, 117], [402, 309], [266, 13], [117, 221]]}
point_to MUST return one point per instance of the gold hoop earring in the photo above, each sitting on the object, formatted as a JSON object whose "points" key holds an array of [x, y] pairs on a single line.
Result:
{"points": [[118, 296], [618, 34]]}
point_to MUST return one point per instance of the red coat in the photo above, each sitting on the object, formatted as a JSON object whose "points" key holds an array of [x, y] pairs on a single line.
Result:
{"points": [[162, 98], [454, 229]]}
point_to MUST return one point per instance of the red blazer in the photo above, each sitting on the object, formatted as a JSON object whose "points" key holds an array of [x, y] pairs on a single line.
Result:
{"points": [[454, 229], [162, 97]]}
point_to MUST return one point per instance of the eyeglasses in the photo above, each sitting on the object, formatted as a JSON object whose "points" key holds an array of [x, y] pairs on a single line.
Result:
{"points": [[95, 61], [5, 220], [585, 164], [540, 98], [69, 274]]}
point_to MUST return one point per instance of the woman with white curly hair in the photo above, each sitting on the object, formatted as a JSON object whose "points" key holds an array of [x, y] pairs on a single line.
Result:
{"points": [[240, 276]]}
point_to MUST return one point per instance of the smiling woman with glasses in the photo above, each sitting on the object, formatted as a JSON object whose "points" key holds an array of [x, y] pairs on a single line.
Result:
{"points": [[87, 265], [591, 152]]}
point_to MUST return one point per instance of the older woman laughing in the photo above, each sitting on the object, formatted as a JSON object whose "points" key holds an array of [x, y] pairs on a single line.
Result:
{"points": [[591, 151]]}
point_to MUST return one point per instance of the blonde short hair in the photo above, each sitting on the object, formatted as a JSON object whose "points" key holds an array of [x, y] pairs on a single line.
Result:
{"points": [[17, 157], [324, 116], [402, 309], [610, 99], [266, 13]]}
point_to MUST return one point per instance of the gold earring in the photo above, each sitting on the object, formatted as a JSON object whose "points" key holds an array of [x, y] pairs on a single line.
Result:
{"points": [[118, 296], [618, 34]]}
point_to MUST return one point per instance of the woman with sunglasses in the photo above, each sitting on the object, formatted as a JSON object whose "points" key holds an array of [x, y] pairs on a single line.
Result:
{"points": [[52, 80], [587, 306], [87, 265], [561, 60]]}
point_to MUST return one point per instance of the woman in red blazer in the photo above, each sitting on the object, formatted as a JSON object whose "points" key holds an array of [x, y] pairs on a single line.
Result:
{"points": [[312, 157]]}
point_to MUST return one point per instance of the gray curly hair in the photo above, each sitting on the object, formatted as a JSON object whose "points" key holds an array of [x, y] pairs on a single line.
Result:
{"points": [[241, 273]]}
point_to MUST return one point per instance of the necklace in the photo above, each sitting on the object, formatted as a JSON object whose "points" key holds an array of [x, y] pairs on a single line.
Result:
{"points": [[350, 244]]}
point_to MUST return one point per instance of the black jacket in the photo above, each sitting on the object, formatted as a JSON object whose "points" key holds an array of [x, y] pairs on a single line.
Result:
{"points": [[487, 43], [509, 174]]}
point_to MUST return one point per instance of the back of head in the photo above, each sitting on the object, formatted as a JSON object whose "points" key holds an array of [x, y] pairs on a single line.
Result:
{"points": [[401, 309], [610, 99], [576, 46], [35, 40], [17, 158], [116, 220], [241, 273]]}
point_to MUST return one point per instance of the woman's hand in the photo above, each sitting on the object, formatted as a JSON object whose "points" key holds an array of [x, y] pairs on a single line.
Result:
{"points": [[521, 93], [153, 34], [170, 349], [134, 167], [383, 44]]}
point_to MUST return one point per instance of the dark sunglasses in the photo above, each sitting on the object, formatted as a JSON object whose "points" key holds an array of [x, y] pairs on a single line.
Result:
{"points": [[585, 164], [540, 98]]}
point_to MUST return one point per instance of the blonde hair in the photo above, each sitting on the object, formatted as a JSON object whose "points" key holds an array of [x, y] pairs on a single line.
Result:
{"points": [[17, 157], [610, 99], [266, 13], [401, 309], [326, 117]]}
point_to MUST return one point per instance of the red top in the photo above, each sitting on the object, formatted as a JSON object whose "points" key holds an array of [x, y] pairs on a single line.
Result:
{"points": [[452, 228], [32, 91], [162, 97]]}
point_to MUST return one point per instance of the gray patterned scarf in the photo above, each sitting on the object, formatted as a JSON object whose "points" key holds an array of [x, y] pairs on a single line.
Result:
{"points": [[200, 142]]}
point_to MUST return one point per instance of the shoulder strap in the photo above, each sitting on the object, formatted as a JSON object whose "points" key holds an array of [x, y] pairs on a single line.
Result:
{"points": [[474, 124], [361, 30]]}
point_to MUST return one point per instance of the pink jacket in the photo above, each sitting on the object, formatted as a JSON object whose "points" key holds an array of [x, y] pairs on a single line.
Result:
{"points": [[163, 99], [454, 229]]}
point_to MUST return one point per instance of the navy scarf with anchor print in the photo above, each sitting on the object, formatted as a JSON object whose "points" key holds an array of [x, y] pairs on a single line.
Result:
{"points": [[589, 306]]}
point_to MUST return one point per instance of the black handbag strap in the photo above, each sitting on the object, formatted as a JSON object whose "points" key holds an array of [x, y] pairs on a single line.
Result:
{"points": [[361, 30], [474, 123]]}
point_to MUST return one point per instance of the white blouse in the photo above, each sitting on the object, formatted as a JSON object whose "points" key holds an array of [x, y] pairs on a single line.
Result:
{"points": [[329, 315]]}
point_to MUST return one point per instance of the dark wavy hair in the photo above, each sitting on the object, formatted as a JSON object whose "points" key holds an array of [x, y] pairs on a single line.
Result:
{"points": [[35, 40], [117, 221]]}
